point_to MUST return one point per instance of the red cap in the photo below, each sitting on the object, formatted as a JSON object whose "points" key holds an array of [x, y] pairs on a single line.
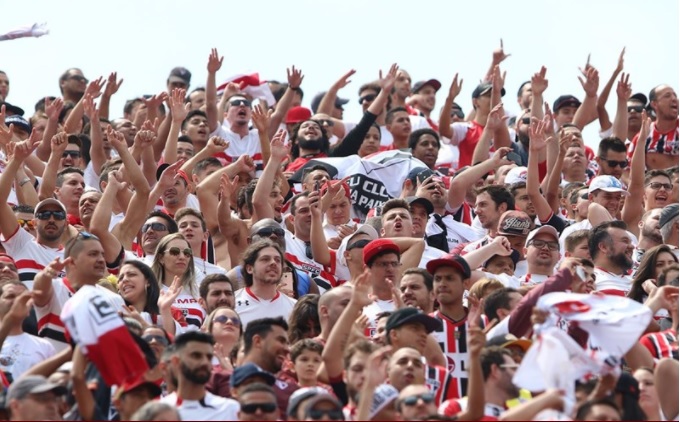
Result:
{"points": [[379, 245], [298, 114], [128, 386], [450, 260], [6, 258]]}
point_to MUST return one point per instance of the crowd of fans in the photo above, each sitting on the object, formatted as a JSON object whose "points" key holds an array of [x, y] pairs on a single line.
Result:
{"points": [[196, 255]]}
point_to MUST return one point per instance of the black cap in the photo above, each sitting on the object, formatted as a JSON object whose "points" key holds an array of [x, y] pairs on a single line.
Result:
{"points": [[11, 110], [316, 101], [405, 316], [249, 370], [431, 82], [429, 208], [180, 74], [421, 173], [565, 101], [639, 97], [668, 213], [514, 255], [483, 88]]}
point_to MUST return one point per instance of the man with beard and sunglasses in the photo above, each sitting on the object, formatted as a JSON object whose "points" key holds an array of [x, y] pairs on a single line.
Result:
{"points": [[192, 363], [612, 252]]}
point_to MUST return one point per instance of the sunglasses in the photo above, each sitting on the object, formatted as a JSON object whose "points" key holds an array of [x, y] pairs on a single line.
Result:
{"points": [[263, 407], [369, 97], [458, 113], [26, 223], [427, 398], [78, 78], [240, 102], [526, 120], [613, 163], [637, 109], [86, 235], [358, 244], [45, 215], [175, 251], [223, 319], [267, 231], [659, 185], [326, 122], [332, 414], [72, 154], [157, 227], [159, 339]]}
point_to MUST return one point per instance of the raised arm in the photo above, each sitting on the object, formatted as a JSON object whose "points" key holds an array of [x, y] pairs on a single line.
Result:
{"points": [[112, 86], [327, 103], [445, 116], [17, 153], [476, 340], [52, 109], [214, 64], [623, 91], [262, 120], [497, 58], [208, 190], [632, 207], [101, 217], [602, 114], [179, 111], [48, 185], [495, 120], [469, 177], [588, 110], [501, 134], [261, 206], [97, 153], [233, 229], [94, 90], [320, 251], [537, 143], [499, 246], [295, 78]]}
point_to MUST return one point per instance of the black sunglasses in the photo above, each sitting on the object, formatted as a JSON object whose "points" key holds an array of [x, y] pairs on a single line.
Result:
{"points": [[175, 251], [526, 120], [637, 109], [72, 154], [325, 122], [263, 407], [332, 414], [159, 339], [368, 97], [358, 244], [613, 163], [458, 113], [45, 215], [267, 231], [413, 400], [86, 235], [240, 102], [157, 227]]}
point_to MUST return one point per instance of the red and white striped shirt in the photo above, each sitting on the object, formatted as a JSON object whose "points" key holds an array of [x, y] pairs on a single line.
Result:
{"points": [[29, 255], [453, 341], [662, 344]]}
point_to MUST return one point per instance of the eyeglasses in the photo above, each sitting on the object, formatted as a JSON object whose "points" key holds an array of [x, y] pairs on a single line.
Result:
{"points": [[658, 186], [223, 319], [387, 264], [332, 414], [613, 163], [267, 232], [157, 227], [637, 109], [427, 398], [251, 408], [26, 223], [45, 215], [358, 244], [79, 78], [175, 251], [72, 154], [159, 339], [240, 102], [540, 244], [369, 97], [326, 122], [526, 120]]}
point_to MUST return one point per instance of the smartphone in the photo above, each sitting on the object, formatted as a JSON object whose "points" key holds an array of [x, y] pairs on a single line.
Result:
{"points": [[286, 284], [514, 157], [581, 273]]}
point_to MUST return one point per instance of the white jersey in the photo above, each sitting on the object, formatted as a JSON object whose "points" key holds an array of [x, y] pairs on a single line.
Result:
{"points": [[193, 312], [202, 268], [211, 408], [373, 310], [250, 307], [248, 145], [611, 283], [507, 280], [530, 280], [429, 254], [29, 255], [23, 351]]}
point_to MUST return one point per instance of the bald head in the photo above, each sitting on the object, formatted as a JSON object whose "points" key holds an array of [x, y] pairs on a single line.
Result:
{"points": [[332, 303]]}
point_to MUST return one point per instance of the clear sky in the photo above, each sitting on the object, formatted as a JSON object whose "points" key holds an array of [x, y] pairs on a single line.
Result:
{"points": [[143, 39]]}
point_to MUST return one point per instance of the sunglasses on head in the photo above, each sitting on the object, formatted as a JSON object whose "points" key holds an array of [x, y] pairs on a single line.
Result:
{"points": [[86, 235], [358, 244], [223, 319], [175, 251], [332, 414], [637, 109], [159, 339], [251, 408], [267, 231], [157, 227], [72, 154], [26, 223], [45, 215], [368, 97], [240, 102], [613, 163], [427, 398]]}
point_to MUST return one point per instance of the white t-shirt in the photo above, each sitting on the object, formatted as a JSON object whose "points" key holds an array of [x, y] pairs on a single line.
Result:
{"points": [[250, 307], [193, 312], [373, 310], [429, 254], [91, 177], [202, 268], [248, 145], [612, 283], [20, 352], [29, 255], [211, 408]]}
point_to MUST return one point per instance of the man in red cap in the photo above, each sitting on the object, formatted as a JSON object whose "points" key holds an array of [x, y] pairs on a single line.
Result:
{"points": [[176, 197], [129, 397], [8, 269], [296, 115]]}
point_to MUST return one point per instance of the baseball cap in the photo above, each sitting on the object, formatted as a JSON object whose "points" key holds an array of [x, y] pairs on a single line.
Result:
{"points": [[322, 398], [7, 258], [429, 208], [32, 384], [413, 174], [366, 229], [316, 101], [405, 316], [509, 340], [298, 114], [49, 201], [421, 84], [140, 382], [180, 74], [377, 246], [249, 370], [180, 172], [450, 260], [514, 255], [514, 223], [639, 97], [668, 213], [11, 110], [301, 395], [565, 101], [543, 229], [483, 88], [383, 396], [516, 175], [607, 184], [18, 122]]}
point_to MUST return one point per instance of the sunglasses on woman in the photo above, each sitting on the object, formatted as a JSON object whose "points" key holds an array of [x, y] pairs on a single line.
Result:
{"points": [[175, 251], [223, 319]]}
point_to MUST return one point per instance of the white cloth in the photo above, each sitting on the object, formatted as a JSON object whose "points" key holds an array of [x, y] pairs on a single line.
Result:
{"points": [[250, 307], [211, 408], [30, 256], [21, 352], [609, 282]]}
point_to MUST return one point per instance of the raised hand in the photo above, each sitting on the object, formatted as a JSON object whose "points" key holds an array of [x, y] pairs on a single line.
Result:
{"points": [[156, 100], [116, 139], [499, 55], [502, 245], [315, 204], [216, 145], [214, 61], [499, 157], [456, 87], [89, 107], [644, 128], [537, 138], [56, 267], [168, 297], [619, 64], [232, 89], [116, 181], [624, 88], [112, 85], [245, 163], [94, 88], [169, 175], [295, 77], [538, 82], [59, 143], [144, 138], [361, 290], [279, 150], [376, 367], [227, 186], [53, 108], [178, 108], [387, 82], [396, 295], [344, 80], [261, 118], [549, 118], [497, 119], [6, 132], [591, 82], [21, 308]]}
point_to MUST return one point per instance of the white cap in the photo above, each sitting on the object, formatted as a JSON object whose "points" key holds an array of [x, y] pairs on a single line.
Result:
{"points": [[383, 396], [363, 228], [607, 184], [515, 175], [49, 201], [543, 229]]}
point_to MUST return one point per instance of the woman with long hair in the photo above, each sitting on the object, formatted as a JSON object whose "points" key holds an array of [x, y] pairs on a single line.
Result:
{"points": [[225, 326], [174, 258], [649, 400], [653, 262], [139, 288], [303, 321]]}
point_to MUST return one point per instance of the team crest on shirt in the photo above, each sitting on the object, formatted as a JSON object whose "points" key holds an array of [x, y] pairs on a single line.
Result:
{"points": [[450, 363]]}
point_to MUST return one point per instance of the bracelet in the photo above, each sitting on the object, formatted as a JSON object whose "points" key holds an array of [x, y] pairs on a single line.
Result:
{"points": [[24, 181]]}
